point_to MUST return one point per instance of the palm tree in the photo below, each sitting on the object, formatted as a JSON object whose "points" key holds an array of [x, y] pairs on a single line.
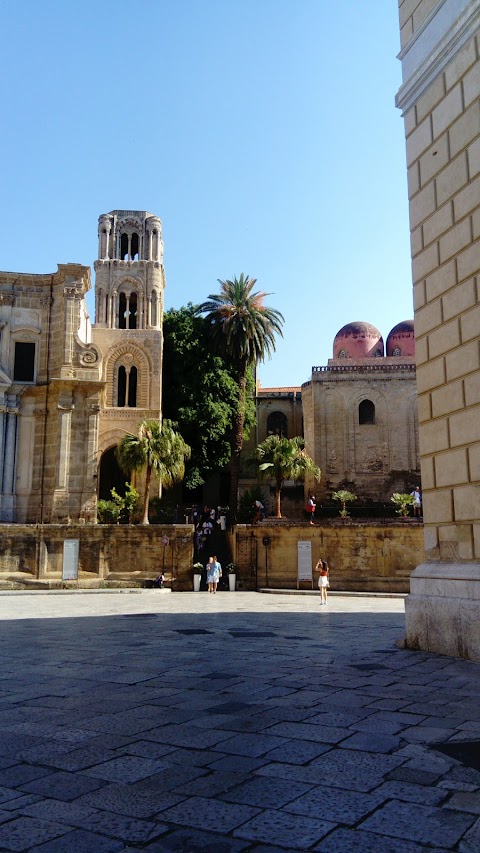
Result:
{"points": [[243, 331], [284, 459], [158, 449], [344, 496]]}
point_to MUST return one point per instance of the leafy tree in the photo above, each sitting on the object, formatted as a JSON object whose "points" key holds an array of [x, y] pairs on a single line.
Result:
{"points": [[243, 331], [344, 497], [200, 393], [284, 459], [158, 450]]}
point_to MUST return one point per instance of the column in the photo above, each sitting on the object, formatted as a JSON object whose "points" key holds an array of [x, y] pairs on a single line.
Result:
{"points": [[8, 488], [65, 408]]}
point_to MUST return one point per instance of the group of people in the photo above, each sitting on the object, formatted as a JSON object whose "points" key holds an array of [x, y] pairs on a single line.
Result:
{"points": [[204, 522], [214, 573]]}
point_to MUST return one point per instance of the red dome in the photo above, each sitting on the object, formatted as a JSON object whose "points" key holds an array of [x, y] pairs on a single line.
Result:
{"points": [[358, 340], [401, 340]]}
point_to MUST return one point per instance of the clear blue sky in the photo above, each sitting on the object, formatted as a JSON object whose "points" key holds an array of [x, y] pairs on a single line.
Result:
{"points": [[262, 132]]}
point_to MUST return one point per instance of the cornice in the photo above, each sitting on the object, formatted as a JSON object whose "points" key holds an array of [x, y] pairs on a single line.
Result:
{"points": [[450, 25]]}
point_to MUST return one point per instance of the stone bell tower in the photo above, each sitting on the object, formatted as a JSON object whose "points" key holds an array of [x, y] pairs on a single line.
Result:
{"points": [[129, 294]]}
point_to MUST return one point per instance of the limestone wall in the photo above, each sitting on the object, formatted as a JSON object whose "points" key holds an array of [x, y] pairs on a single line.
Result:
{"points": [[364, 556]]}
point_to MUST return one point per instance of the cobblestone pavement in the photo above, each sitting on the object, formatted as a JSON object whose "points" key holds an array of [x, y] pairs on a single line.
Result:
{"points": [[228, 723]]}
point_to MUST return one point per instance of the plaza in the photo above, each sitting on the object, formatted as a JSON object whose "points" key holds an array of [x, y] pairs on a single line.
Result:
{"points": [[149, 720]]}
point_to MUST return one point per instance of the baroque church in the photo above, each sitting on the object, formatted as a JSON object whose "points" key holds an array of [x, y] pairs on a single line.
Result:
{"points": [[70, 390]]}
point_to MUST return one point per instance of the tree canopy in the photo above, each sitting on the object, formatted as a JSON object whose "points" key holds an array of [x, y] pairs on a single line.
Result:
{"points": [[284, 459], [159, 450], [243, 330], [200, 393]]}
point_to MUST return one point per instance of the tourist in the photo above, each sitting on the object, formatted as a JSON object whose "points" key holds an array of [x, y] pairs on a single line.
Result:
{"points": [[323, 579], [259, 511], [417, 501], [214, 573], [310, 507]]}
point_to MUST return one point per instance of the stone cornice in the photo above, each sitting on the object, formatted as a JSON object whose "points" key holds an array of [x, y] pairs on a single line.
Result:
{"points": [[434, 44]]}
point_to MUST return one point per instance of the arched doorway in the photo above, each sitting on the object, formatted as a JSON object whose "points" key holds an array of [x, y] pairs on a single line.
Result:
{"points": [[111, 475]]}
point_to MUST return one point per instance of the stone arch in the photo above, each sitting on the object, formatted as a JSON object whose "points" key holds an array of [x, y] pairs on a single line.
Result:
{"points": [[128, 356], [110, 475]]}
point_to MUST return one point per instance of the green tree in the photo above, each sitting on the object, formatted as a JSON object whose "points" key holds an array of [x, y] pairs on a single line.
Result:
{"points": [[344, 497], [243, 331], [200, 393], [159, 450], [284, 459]]}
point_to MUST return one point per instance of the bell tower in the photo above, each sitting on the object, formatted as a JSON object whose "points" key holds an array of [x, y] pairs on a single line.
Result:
{"points": [[129, 298], [130, 277]]}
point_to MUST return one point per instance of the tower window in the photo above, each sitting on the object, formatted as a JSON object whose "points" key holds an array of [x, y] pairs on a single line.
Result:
{"points": [[122, 311], [342, 354], [124, 247], [366, 412], [396, 351], [132, 313], [134, 248], [127, 383], [24, 365], [277, 424], [153, 313]]}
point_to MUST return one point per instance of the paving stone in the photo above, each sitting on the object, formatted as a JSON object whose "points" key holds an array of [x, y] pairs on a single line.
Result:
{"points": [[238, 763], [470, 843], [411, 793], [305, 731], [360, 771], [122, 826], [284, 829], [58, 810], [264, 792], [335, 804], [350, 841], [62, 786], [12, 777], [23, 832], [423, 824], [129, 800], [251, 745], [416, 777], [296, 752], [371, 742], [215, 783], [79, 841], [196, 841], [147, 749], [78, 759], [126, 768], [213, 815], [466, 802]]}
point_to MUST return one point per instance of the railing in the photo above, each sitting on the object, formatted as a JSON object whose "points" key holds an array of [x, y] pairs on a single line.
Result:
{"points": [[363, 368]]}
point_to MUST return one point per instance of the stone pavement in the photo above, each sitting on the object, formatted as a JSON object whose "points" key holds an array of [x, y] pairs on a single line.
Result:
{"points": [[229, 723]]}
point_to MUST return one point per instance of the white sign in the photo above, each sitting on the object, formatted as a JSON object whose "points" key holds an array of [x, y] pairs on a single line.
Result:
{"points": [[70, 559], [304, 553]]}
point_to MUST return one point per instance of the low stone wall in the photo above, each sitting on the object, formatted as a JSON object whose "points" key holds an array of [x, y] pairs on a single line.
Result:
{"points": [[32, 555], [363, 555]]}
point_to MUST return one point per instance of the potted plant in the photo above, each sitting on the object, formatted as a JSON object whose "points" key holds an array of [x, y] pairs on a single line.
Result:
{"points": [[232, 576], [344, 497], [197, 576], [403, 502]]}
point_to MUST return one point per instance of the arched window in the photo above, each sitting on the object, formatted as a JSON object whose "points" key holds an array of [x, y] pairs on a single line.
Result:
{"points": [[396, 351], [378, 353], [134, 250], [277, 424], [127, 311], [342, 354], [122, 311], [122, 386], [124, 247], [127, 383], [366, 412], [132, 388], [132, 311]]}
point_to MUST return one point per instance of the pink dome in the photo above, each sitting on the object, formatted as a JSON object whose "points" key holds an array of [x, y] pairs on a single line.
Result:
{"points": [[401, 340], [358, 340]]}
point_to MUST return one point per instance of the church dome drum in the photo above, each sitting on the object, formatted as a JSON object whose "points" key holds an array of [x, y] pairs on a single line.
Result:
{"points": [[358, 340], [401, 340]]}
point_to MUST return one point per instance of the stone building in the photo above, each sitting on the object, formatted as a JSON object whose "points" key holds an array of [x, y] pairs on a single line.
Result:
{"points": [[69, 391], [439, 99], [358, 415]]}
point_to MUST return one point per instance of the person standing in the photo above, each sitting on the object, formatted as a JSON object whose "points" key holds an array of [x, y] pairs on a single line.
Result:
{"points": [[417, 501], [323, 580], [310, 507], [214, 573]]}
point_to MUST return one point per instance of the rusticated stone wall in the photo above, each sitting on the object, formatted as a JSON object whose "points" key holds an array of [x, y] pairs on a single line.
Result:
{"points": [[363, 556]]}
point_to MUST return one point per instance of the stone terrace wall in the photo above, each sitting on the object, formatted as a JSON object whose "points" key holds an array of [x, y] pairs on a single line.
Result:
{"points": [[363, 555], [128, 553]]}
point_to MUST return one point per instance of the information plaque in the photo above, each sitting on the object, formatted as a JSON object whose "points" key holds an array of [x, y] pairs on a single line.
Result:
{"points": [[70, 559], [304, 562]]}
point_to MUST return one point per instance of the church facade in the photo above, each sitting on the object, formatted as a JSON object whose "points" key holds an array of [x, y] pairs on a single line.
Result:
{"points": [[69, 391]]}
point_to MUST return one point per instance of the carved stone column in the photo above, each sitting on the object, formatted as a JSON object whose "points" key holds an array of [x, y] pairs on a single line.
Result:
{"points": [[8, 484]]}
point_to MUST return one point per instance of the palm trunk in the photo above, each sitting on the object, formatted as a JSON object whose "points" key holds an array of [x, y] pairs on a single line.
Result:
{"points": [[278, 506], [237, 442], [146, 493]]}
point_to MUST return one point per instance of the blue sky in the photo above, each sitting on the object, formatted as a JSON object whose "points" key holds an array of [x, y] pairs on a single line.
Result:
{"points": [[262, 132]]}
